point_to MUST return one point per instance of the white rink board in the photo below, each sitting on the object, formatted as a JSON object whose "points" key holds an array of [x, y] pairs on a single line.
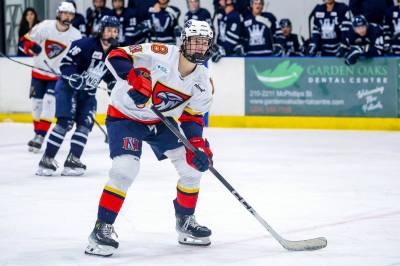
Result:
{"points": [[343, 185]]}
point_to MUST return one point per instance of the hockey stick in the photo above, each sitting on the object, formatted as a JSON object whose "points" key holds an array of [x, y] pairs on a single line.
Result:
{"points": [[301, 245]]}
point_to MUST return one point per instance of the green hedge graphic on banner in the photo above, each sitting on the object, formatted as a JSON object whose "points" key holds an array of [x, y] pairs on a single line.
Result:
{"points": [[321, 87]]}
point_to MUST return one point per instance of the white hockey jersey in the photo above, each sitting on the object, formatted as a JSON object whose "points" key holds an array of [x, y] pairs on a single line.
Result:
{"points": [[55, 44], [172, 94]]}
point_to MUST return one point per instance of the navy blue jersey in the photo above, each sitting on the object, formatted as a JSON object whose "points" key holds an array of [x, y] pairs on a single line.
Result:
{"points": [[79, 23], [328, 27], [129, 32], [370, 45], [258, 34], [201, 14], [164, 24], [93, 18], [373, 10], [143, 6], [391, 29], [86, 58], [229, 30], [289, 45]]}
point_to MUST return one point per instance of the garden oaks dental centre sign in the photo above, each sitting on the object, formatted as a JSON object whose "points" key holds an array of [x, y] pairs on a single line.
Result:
{"points": [[321, 87]]}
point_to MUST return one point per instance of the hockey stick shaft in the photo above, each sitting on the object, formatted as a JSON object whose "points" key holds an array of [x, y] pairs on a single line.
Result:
{"points": [[311, 244], [102, 130]]}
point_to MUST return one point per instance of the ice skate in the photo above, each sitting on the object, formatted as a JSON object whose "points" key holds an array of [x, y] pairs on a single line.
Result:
{"points": [[102, 240], [35, 144], [190, 232], [47, 166], [73, 166]]}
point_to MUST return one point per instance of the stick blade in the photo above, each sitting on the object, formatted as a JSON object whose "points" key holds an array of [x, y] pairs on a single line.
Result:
{"points": [[308, 244]]}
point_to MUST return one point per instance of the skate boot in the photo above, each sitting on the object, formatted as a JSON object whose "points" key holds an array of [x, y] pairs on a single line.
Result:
{"points": [[102, 240], [190, 232], [73, 166], [47, 166], [35, 144]]}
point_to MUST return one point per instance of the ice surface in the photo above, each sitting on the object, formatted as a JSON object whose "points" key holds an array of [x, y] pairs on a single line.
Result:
{"points": [[343, 185]]}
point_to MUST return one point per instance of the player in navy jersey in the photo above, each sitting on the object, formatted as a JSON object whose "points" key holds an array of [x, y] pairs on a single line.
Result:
{"points": [[288, 43], [258, 30], [197, 13], [331, 21], [364, 40], [391, 29], [130, 31], [163, 22], [94, 15], [82, 68], [229, 31]]}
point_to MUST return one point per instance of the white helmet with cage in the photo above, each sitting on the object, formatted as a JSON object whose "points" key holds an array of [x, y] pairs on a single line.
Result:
{"points": [[196, 28]]}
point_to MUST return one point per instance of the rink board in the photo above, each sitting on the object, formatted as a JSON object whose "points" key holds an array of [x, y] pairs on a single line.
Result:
{"points": [[289, 122]]}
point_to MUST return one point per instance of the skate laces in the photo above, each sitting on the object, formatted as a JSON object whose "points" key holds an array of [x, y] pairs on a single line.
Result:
{"points": [[108, 230], [191, 221], [50, 161]]}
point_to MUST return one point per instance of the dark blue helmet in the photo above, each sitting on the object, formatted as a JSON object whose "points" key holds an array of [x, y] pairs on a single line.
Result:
{"points": [[285, 22], [108, 21], [359, 21]]}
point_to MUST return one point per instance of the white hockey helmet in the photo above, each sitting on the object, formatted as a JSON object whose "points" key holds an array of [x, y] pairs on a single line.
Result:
{"points": [[66, 7], [196, 28]]}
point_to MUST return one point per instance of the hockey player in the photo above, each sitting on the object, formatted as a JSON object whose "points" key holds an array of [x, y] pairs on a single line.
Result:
{"points": [[288, 42], [79, 20], [364, 40], [258, 30], [94, 15], [198, 13], [229, 23], [331, 21], [391, 29], [130, 31], [76, 101], [48, 41], [163, 22], [173, 80]]}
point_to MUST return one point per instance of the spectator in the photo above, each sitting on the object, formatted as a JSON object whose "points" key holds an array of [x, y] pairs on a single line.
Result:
{"points": [[129, 32], [229, 31], [258, 28], [288, 43], [391, 27], [197, 13], [28, 20], [364, 40], [373, 10], [94, 16], [78, 22], [163, 22], [329, 22]]}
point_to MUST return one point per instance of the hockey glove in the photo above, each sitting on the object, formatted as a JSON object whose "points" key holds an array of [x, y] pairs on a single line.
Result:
{"points": [[202, 158], [218, 53], [238, 50], [140, 80], [312, 49], [341, 51], [32, 48], [77, 82], [353, 55]]}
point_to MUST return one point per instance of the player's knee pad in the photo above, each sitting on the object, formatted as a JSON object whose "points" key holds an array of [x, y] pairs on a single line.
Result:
{"points": [[63, 125], [189, 177], [123, 172], [36, 108], [49, 107], [83, 129]]}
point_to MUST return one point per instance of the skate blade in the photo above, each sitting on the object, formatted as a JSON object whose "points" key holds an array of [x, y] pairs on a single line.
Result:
{"points": [[186, 239], [44, 172], [99, 250], [67, 171]]}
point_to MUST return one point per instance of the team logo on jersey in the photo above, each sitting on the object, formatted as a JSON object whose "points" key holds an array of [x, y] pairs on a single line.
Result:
{"points": [[53, 48], [97, 55], [130, 144], [166, 99], [135, 48]]}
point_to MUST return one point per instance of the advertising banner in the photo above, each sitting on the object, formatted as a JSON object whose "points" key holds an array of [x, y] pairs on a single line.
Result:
{"points": [[321, 87]]}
